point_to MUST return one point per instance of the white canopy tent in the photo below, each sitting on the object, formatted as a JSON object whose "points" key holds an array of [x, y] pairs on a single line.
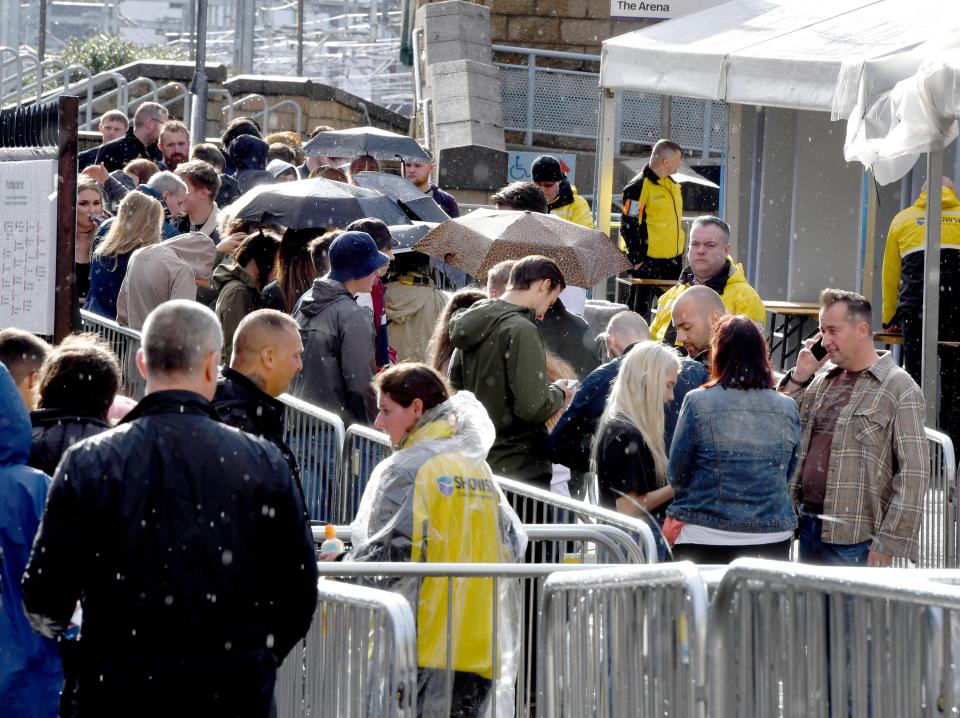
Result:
{"points": [[813, 55]]}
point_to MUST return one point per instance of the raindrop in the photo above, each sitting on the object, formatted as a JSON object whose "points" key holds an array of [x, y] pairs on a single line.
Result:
{"points": [[227, 557]]}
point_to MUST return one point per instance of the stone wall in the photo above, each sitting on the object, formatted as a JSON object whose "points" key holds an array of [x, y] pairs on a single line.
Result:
{"points": [[564, 25]]}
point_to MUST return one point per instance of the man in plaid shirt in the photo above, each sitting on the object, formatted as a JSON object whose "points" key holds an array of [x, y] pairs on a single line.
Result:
{"points": [[864, 463]]}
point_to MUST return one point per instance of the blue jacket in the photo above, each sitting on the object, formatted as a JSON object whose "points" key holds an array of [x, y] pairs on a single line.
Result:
{"points": [[569, 442], [732, 456], [30, 672], [106, 276]]}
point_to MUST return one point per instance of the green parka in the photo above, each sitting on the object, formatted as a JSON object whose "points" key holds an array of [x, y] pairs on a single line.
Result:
{"points": [[499, 356]]}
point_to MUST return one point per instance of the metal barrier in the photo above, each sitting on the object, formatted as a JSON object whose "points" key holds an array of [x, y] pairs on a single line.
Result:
{"points": [[793, 640], [125, 342], [938, 532], [624, 641], [536, 506], [315, 436], [531, 575], [591, 543], [363, 449], [359, 658]]}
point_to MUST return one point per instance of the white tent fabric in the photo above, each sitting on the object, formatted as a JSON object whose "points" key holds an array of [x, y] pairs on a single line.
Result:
{"points": [[777, 53], [888, 128]]}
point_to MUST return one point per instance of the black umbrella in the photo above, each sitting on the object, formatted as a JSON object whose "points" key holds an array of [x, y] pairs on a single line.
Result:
{"points": [[381, 144], [405, 193], [409, 234], [315, 202]]}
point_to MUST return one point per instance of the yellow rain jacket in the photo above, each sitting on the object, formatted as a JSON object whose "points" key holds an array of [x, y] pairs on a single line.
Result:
{"points": [[571, 206], [732, 286], [435, 500], [651, 224], [903, 256]]}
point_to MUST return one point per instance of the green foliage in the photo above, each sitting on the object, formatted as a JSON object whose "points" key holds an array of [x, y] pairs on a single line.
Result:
{"points": [[106, 52]]}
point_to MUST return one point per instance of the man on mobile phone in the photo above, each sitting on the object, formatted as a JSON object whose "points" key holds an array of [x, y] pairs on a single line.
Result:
{"points": [[864, 462]]}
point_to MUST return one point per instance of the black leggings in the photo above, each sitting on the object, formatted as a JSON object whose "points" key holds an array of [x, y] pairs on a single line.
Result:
{"points": [[709, 554]]}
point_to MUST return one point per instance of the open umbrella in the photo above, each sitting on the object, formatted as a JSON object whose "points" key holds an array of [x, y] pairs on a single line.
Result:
{"points": [[405, 193], [381, 144], [409, 234], [315, 202], [481, 239]]}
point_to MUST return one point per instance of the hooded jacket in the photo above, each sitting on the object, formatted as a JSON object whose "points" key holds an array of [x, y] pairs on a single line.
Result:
{"points": [[571, 206], [436, 500], [499, 356], [338, 355], [164, 271], [651, 224], [903, 260], [55, 431], [732, 286], [30, 671], [237, 296], [413, 306], [186, 542], [248, 155]]}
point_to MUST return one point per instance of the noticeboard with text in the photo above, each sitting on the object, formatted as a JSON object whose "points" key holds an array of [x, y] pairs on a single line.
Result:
{"points": [[664, 10], [28, 244]]}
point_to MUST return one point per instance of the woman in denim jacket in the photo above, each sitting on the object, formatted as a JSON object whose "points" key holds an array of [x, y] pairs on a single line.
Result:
{"points": [[732, 455]]}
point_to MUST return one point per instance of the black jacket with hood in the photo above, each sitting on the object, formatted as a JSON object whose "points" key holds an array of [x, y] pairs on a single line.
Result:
{"points": [[338, 353], [248, 155]]}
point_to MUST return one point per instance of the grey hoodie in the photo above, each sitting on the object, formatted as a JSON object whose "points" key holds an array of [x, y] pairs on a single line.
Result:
{"points": [[338, 353]]}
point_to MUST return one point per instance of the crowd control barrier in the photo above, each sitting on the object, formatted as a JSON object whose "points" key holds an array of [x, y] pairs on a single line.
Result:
{"points": [[125, 342], [938, 532], [580, 543], [525, 695], [363, 449], [795, 641], [629, 641], [359, 658], [315, 436]]}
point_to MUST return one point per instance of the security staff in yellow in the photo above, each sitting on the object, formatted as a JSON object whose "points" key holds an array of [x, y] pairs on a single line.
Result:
{"points": [[562, 197], [435, 500], [651, 224], [903, 260], [709, 265]]}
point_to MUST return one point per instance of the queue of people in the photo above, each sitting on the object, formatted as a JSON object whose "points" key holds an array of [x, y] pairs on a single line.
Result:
{"points": [[183, 586]]}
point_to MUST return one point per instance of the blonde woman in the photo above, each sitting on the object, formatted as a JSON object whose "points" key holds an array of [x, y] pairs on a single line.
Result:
{"points": [[139, 223], [629, 451]]}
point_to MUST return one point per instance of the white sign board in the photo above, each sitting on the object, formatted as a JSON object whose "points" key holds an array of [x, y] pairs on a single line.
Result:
{"points": [[28, 244], [519, 164], [664, 10]]}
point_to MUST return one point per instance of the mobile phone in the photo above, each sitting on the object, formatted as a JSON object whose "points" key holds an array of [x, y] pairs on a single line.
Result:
{"points": [[817, 350]]}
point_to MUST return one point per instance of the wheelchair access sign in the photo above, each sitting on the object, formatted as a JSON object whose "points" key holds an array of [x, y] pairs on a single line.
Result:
{"points": [[519, 163]]}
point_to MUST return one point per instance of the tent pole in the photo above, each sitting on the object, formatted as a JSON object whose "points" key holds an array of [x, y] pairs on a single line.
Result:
{"points": [[604, 179], [931, 286]]}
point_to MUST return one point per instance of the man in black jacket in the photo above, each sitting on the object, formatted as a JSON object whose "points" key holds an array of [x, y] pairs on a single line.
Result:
{"points": [[139, 140], [266, 355], [183, 539]]}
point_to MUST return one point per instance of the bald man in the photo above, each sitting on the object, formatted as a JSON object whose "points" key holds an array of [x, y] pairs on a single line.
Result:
{"points": [[695, 314], [266, 355], [570, 441]]}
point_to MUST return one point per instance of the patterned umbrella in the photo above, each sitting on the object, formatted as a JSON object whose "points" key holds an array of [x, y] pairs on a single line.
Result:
{"points": [[481, 239]]}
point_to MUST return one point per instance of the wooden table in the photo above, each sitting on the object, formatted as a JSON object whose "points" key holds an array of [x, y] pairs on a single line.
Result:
{"points": [[788, 335]]}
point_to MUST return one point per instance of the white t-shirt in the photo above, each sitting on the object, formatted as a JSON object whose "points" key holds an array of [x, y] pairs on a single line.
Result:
{"points": [[691, 533]]}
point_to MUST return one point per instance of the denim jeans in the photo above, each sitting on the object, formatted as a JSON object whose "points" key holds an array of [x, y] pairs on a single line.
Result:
{"points": [[814, 550]]}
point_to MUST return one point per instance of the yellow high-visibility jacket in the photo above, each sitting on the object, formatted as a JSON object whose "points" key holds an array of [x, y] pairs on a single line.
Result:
{"points": [[436, 501], [732, 286], [651, 225], [903, 256], [571, 206]]}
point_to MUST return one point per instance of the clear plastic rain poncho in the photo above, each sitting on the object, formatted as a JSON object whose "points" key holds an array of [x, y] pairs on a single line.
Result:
{"points": [[435, 500]]}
